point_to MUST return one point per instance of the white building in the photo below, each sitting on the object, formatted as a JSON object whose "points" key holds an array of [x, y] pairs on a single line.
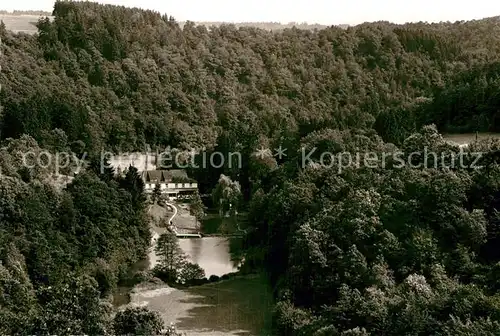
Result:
{"points": [[173, 182]]}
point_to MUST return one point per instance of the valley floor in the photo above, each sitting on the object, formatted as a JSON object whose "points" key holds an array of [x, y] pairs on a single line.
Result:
{"points": [[240, 306]]}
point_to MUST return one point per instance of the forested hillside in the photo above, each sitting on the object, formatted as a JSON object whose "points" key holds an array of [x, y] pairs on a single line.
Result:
{"points": [[122, 78], [61, 251], [354, 251]]}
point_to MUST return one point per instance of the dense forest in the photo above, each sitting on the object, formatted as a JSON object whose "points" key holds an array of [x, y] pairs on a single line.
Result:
{"points": [[358, 251], [63, 249]]}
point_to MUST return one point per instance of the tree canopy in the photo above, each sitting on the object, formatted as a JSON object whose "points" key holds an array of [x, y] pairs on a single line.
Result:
{"points": [[350, 250]]}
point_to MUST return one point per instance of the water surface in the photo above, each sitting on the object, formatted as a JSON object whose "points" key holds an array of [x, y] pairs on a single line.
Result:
{"points": [[211, 253]]}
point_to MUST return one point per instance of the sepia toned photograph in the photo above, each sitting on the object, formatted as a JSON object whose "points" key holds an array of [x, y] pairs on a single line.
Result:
{"points": [[249, 168]]}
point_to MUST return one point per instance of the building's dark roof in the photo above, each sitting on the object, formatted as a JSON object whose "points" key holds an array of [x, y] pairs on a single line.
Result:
{"points": [[162, 175], [175, 173], [154, 176]]}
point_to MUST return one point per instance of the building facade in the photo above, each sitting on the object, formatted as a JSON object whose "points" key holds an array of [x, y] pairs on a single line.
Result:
{"points": [[173, 183]]}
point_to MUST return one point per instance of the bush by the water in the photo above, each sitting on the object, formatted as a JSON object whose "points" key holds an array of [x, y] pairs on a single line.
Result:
{"points": [[140, 321], [173, 266], [214, 278]]}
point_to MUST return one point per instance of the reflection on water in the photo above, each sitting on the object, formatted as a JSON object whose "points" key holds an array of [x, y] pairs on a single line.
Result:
{"points": [[238, 307], [211, 253]]}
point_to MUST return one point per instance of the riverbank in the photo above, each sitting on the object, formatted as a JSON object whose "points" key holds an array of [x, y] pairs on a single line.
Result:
{"points": [[233, 304]]}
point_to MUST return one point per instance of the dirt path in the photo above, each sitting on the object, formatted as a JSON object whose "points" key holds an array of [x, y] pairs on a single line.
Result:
{"points": [[175, 212]]}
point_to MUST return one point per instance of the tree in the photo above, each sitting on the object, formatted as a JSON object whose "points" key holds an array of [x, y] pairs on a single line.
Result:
{"points": [[197, 208], [138, 321], [367, 236], [102, 168], [156, 195], [105, 277], [190, 272], [133, 183], [3, 31], [72, 307], [17, 295], [227, 194], [171, 256]]}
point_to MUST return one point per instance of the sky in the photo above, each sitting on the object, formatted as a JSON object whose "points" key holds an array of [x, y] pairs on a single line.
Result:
{"points": [[312, 11]]}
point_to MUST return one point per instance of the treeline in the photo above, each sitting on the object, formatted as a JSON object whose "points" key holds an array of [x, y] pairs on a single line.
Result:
{"points": [[26, 12], [123, 78], [263, 25]]}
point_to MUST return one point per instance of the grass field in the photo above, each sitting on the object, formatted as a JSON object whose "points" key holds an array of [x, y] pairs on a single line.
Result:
{"points": [[20, 23], [236, 307], [25, 23]]}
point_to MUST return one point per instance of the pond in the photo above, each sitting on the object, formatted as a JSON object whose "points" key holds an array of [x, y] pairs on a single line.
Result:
{"points": [[216, 255], [211, 253], [240, 306]]}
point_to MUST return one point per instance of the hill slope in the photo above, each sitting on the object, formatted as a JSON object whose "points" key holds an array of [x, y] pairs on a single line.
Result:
{"points": [[351, 249]]}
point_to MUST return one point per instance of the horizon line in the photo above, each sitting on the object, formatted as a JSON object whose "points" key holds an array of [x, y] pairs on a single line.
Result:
{"points": [[311, 23]]}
